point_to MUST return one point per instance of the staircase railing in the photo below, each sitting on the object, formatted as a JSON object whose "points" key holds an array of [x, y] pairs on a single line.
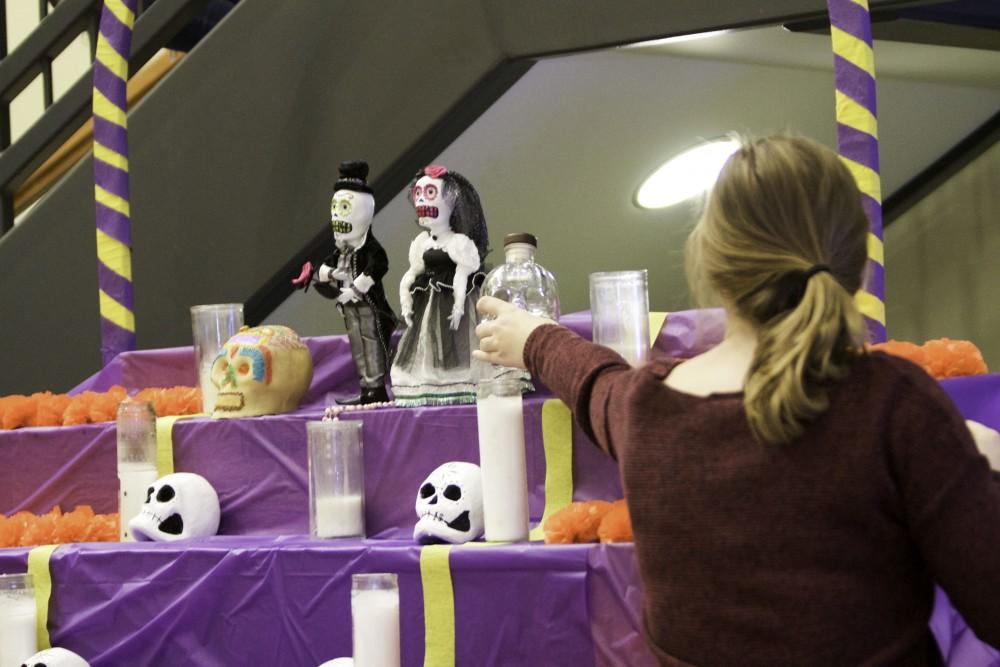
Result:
{"points": [[156, 23]]}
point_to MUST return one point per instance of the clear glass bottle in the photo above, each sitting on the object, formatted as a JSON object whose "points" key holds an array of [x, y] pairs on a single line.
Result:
{"points": [[521, 281]]}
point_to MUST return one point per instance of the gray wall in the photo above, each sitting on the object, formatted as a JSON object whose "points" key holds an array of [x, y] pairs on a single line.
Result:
{"points": [[233, 156], [562, 152], [943, 262]]}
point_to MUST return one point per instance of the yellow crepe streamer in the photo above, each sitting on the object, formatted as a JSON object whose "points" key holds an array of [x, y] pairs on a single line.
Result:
{"points": [[439, 606], [870, 306], [557, 439], [853, 50], [41, 575], [115, 255], [656, 322], [876, 249], [165, 442], [116, 312]]}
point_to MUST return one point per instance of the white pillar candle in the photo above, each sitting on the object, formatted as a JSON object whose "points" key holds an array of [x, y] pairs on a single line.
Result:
{"points": [[375, 620], [134, 480], [502, 460], [17, 627], [340, 516]]}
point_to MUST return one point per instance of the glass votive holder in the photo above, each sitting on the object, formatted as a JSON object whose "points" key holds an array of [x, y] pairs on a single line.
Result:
{"points": [[500, 417], [212, 325], [619, 309], [18, 619], [336, 479], [136, 431], [375, 620]]}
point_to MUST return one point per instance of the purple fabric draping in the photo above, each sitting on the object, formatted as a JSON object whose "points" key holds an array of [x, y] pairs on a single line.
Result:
{"points": [[286, 601], [258, 465]]}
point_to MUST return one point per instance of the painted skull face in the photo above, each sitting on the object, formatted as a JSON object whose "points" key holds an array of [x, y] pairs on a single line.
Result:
{"points": [[351, 215], [433, 208], [262, 370], [177, 507], [450, 504]]}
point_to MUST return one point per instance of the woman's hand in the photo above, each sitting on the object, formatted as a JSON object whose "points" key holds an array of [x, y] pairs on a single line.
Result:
{"points": [[502, 338]]}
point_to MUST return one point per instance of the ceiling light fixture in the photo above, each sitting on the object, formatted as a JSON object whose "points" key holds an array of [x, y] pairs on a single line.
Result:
{"points": [[692, 172], [676, 39]]}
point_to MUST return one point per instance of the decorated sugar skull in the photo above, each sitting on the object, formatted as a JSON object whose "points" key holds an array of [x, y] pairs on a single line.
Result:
{"points": [[339, 662], [262, 370], [55, 657], [450, 504], [432, 205], [352, 206], [178, 506]]}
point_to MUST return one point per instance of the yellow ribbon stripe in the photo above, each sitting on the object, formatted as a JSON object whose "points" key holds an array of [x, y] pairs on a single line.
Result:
{"points": [[108, 156], [854, 115], [870, 306], [557, 439], [656, 321], [116, 312], [111, 59], [41, 575], [861, 3], [439, 606], [867, 178], [121, 11], [165, 442], [876, 250], [115, 255], [111, 200], [854, 50], [108, 110]]}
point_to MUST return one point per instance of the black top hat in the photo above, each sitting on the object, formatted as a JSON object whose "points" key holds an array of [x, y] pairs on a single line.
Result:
{"points": [[352, 177]]}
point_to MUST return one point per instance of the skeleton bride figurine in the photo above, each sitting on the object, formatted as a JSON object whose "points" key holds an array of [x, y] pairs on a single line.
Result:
{"points": [[434, 364]]}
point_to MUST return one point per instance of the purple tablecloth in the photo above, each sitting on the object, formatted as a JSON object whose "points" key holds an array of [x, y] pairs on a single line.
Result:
{"points": [[286, 601], [258, 465]]}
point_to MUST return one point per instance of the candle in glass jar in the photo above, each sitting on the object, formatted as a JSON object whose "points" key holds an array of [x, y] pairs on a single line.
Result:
{"points": [[340, 516], [500, 416], [18, 626], [375, 620]]}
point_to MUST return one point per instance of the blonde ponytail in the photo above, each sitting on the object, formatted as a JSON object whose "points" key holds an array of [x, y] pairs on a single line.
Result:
{"points": [[798, 356], [782, 242]]}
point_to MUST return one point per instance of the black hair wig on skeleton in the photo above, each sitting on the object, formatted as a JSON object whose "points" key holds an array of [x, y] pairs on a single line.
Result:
{"points": [[467, 215]]}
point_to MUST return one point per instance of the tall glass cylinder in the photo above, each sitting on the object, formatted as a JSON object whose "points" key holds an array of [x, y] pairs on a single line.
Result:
{"points": [[619, 309], [212, 326], [375, 620], [336, 479], [18, 624], [136, 428], [500, 414]]}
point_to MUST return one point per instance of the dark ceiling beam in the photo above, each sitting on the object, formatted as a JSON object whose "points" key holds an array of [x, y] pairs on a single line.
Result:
{"points": [[942, 169]]}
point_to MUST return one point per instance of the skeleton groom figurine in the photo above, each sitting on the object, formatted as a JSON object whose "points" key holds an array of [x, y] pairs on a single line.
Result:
{"points": [[352, 275], [438, 293]]}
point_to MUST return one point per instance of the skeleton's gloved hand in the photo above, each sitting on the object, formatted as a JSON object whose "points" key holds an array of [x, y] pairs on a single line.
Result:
{"points": [[406, 308], [348, 295], [341, 275], [325, 273], [457, 311]]}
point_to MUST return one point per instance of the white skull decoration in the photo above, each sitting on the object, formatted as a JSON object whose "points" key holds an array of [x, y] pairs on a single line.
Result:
{"points": [[262, 370], [177, 507], [55, 657], [450, 504]]}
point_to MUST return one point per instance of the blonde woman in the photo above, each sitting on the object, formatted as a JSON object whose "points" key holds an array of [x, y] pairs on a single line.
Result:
{"points": [[793, 498]]}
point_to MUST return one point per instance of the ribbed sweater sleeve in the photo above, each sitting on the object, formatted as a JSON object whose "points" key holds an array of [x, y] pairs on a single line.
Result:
{"points": [[951, 499], [589, 378]]}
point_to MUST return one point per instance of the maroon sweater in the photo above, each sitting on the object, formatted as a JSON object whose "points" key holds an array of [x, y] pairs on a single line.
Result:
{"points": [[823, 551]]}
